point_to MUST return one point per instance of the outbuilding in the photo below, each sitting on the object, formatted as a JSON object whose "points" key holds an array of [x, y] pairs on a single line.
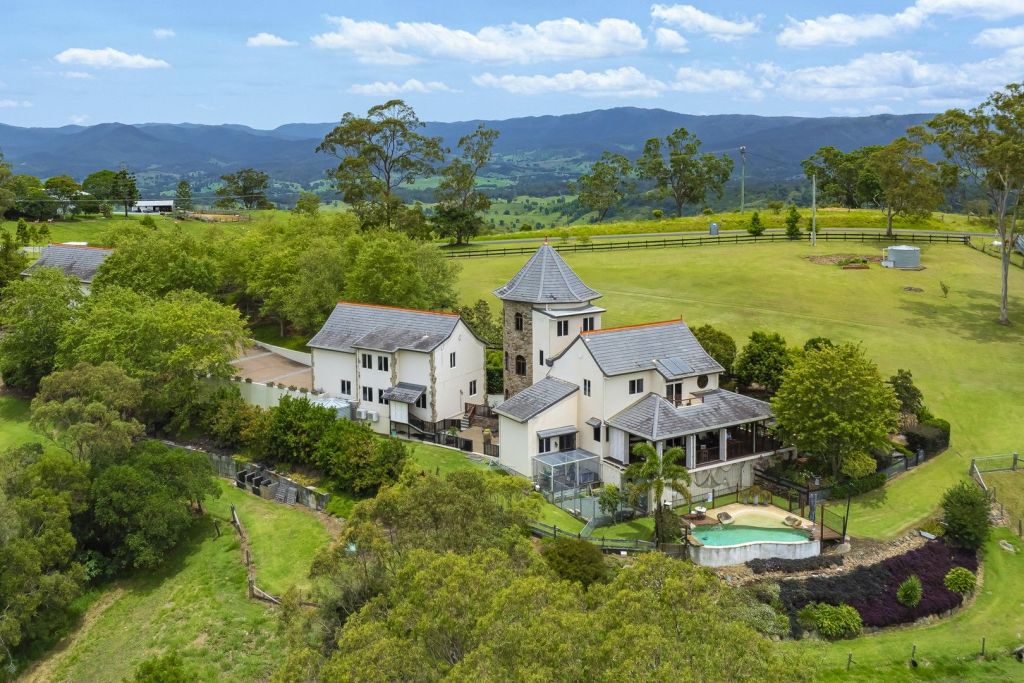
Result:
{"points": [[903, 257]]}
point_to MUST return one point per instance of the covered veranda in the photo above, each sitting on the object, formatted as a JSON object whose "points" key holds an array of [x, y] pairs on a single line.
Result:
{"points": [[566, 474]]}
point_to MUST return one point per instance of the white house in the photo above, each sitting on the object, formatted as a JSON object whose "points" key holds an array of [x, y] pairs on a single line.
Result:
{"points": [[153, 206], [609, 389], [80, 261], [406, 371]]}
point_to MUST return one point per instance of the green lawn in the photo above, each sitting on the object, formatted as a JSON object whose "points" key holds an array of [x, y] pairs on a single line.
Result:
{"points": [[1009, 490], [284, 539], [91, 229], [641, 529], [552, 515], [947, 649], [968, 367], [442, 460]]}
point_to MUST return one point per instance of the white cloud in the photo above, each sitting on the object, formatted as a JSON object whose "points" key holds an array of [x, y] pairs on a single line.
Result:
{"points": [[694, 79], [13, 104], [845, 29], [626, 81], [409, 42], [268, 40], [391, 88], [1000, 37], [163, 33], [109, 57], [669, 40], [78, 119], [79, 75], [689, 18], [870, 110]]}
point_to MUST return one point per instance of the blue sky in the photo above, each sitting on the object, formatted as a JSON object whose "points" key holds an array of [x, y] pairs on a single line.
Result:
{"points": [[268, 63]]}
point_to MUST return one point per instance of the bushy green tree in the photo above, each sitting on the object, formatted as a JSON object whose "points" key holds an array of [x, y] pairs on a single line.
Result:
{"points": [[124, 189], [910, 397], [33, 314], [965, 512], [680, 172], [608, 183], [247, 187], [296, 426], [755, 227], [357, 459], [65, 191], [792, 221], [818, 343], [833, 403], [396, 272], [308, 204], [12, 259], [157, 261], [763, 360], [719, 345], [575, 559], [183, 196]]}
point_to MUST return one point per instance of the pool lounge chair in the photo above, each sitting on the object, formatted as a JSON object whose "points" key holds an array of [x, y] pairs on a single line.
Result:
{"points": [[725, 518]]}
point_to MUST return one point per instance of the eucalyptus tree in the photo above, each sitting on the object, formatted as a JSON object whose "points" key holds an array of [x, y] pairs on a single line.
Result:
{"points": [[680, 171]]}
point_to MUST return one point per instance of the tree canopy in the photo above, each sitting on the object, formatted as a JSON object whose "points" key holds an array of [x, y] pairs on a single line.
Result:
{"points": [[247, 187], [680, 172], [608, 183], [909, 184], [763, 360]]}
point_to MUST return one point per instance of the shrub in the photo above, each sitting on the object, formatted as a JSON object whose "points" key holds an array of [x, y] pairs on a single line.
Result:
{"points": [[166, 668], [793, 566], [931, 436], [830, 621], [755, 227], [965, 510], [353, 456], [148, 222], [793, 223], [575, 560], [960, 580], [910, 591], [855, 487]]}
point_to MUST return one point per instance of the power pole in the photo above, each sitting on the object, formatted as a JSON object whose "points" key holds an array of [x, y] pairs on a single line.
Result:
{"points": [[743, 175], [814, 209]]}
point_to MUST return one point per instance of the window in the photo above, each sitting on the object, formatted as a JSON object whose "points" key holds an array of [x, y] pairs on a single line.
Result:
{"points": [[541, 356], [346, 387], [702, 381], [544, 445], [367, 361], [367, 394], [586, 387], [421, 402], [588, 324], [597, 433], [451, 359], [563, 328], [519, 322], [674, 392], [383, 363], [380, 397], [636, 386], [520, 365], [567, 442], [472, 388], [506, 360]]}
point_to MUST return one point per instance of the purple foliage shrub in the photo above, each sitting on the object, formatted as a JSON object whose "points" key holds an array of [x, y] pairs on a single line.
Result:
{"points": [[872, 590]]}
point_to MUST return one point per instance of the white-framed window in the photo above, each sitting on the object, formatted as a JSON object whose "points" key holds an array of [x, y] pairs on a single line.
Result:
{"points": [[346, 387], [588, 324], [383, 363], [451, 359], [563, 328], [380, 397], [636, 386], [472, 387], [544, 445], [586, 387], [367, 361], [367, 394], [421, 402]]}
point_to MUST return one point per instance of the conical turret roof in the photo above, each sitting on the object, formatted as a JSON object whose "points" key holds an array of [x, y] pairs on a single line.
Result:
{"points": [[546, 279]]}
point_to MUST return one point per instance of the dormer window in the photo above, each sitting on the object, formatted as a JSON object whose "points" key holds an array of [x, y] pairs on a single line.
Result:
{"points": [[588, 324], [702, 381]]}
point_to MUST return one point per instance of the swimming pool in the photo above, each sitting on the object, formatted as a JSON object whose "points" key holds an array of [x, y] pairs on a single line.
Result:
{"points": [[735, 534]]}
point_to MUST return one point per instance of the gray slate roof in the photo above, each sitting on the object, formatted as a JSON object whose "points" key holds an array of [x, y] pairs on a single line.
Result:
{"points": [[546, 279], [536, 398], [654, 418], [404, 392], [670, 348], [382, 328], [77, 261]]}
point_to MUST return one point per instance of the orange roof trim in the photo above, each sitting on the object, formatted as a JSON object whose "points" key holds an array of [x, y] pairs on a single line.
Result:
{"points": [[632, 327], [399, 308], [78, 246]]}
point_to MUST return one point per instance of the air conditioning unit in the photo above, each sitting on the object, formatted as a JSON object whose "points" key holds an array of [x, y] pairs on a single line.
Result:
{"points": [[361, 414], [374, 416]]}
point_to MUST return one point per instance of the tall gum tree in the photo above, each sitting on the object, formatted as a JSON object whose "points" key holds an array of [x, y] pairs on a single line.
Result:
{"points": [[684, 175]]}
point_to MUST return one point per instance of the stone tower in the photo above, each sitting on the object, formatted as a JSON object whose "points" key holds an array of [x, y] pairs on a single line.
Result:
{"points": [[544, 308]]}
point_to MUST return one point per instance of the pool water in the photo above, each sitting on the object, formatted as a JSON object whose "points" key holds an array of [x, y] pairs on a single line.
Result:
{"points": [[735, 534]]}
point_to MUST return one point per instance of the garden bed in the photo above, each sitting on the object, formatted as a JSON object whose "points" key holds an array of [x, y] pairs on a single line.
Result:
{"points": [[871, 590]]}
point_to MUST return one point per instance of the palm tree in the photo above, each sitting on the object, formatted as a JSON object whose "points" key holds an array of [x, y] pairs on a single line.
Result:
{"points": [[654, 473]]}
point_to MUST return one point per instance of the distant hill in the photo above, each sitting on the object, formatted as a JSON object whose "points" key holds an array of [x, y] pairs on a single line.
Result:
{"points": [[535, 145]]}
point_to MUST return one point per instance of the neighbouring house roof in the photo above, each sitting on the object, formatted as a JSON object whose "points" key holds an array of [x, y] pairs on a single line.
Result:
{"points": [[557, 431], [383, 328], [536, 398], [404, 392], [654, 418], [546, 279], [668, 347], [78, 261]]}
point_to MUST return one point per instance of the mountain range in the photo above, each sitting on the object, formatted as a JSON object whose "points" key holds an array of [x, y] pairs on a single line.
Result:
{"points": [[536, 145]]}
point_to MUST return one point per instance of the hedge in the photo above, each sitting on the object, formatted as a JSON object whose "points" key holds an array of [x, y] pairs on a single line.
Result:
{"points": [[855, 487], [793, 566], [931, 436]]}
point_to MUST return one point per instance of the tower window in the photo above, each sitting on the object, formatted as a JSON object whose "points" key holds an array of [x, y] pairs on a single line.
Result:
{"points": [[588, 324], [519, 322], [520, 365]]}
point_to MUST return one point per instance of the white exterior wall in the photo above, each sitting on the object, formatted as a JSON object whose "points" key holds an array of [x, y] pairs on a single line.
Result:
{"points": [[514, 450], [330, 367], [414, 367], [452, 384], [376, 380], [575, 366]]}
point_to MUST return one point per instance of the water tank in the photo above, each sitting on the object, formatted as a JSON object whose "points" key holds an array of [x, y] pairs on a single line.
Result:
{"points": [[341, 406], [904, 256]]}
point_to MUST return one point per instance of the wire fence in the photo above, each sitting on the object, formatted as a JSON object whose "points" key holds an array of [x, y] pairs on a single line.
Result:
{"points": [[1010, 463], [700, 240], [543, 530]]}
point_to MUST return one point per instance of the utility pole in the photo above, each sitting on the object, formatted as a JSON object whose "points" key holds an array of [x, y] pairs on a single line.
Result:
{"points": [[814, 209], [743, 175]]}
